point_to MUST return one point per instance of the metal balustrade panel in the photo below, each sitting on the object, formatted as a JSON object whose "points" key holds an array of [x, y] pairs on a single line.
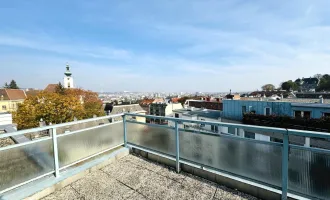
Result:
{"points": [[23, 163], [309, 173], [257, 161], [85, 143], [155, 138]]}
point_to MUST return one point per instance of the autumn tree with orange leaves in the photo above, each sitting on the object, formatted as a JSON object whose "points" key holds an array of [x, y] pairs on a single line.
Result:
{"points": [[57, 107]]}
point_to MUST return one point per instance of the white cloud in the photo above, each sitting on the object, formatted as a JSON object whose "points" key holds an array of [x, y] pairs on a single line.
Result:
{"points": [[192, 45]]}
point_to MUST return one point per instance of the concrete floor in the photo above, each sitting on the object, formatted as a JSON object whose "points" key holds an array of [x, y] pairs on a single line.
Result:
{"points": [[134, 178]]}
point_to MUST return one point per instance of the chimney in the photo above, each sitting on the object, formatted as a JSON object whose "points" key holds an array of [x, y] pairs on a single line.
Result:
{"points": [[321, 99], [42, 123]]}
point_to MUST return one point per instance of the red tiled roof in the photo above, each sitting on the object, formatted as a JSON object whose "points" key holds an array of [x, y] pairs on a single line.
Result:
{"points": [[51, 88], [175, 100], [146, 102], [12, 94], [32, 92]]}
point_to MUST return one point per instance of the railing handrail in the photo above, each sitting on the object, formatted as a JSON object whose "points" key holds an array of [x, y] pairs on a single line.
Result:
{"points": [[303, 133], [21, 132]]}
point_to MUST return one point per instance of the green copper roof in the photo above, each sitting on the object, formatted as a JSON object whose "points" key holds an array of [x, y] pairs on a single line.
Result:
{"points": [[67, 73]]}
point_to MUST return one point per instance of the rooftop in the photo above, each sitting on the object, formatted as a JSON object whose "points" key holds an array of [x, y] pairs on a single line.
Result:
{"points": [[51, 88], [134, 178], [12, 94], [213, 114]]}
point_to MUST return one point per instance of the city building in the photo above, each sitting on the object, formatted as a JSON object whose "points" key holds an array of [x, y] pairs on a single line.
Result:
{"points": [[68, 79], [308, 84], [313, 95], [10, 98], [197, 114], [145, 104], [162, 108], [5, 118], [111, 109], [205, 102]]}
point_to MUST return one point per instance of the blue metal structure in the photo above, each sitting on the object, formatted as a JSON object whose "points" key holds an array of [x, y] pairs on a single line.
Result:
{"points": [[182, 135], [234, 109]]}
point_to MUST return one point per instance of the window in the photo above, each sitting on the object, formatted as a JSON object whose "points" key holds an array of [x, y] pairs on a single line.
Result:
{"points": [[307, 114], [4, 107], [214, 128], [250, 135], [268, 111], [176, 115], [304, 114], [243, 109], [326, 114], [202, 125], [297, 114]]}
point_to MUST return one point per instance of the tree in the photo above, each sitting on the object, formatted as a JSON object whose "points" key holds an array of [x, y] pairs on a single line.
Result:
{"points": [[13, 85], [182, 100], [60, 89], [289, 85], [6, 85], [268, 87], [324, 84], [318, 76], [58, 107], [90, 101], [50, 107]]}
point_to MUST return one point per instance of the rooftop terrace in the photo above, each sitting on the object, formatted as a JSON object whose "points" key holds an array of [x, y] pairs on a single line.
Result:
{"points": [[134, 178], [59, 165]]}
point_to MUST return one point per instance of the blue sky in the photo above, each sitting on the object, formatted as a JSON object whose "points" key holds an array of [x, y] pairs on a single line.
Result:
{"points": [[182, 45]]}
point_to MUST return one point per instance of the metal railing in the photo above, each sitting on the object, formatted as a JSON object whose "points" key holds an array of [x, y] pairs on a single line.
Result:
{"points": [[179, 135]]}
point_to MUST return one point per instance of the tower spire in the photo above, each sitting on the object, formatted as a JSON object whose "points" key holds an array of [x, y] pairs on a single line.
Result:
{"points": [[67, 73], [68, 79]]}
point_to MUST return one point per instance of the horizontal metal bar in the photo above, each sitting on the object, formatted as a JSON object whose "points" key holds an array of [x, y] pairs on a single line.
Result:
{"points": [[312, 149], [87, 129], [26, 182], [158, 153], [24, 144], [58, 125], [251, 140], [312, 134], [91, 156], [242, 126], [148, 124]]}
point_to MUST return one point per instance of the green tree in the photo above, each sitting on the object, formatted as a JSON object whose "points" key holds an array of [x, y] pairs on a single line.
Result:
{"points": [[6, 85], [324, 84], [268, 87], [60, 89], [289, 85], [13, 85]]}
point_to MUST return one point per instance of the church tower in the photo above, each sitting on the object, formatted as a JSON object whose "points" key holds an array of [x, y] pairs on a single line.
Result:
{"points": [[68, 79]]}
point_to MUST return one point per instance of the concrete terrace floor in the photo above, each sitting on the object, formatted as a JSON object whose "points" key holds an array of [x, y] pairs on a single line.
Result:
{"points": [[134, 178]]}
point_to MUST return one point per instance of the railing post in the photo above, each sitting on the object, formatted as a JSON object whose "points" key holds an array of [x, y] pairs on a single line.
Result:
{"points": [[177, 143], [125, 131], [285, 165], [55, 149]]}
